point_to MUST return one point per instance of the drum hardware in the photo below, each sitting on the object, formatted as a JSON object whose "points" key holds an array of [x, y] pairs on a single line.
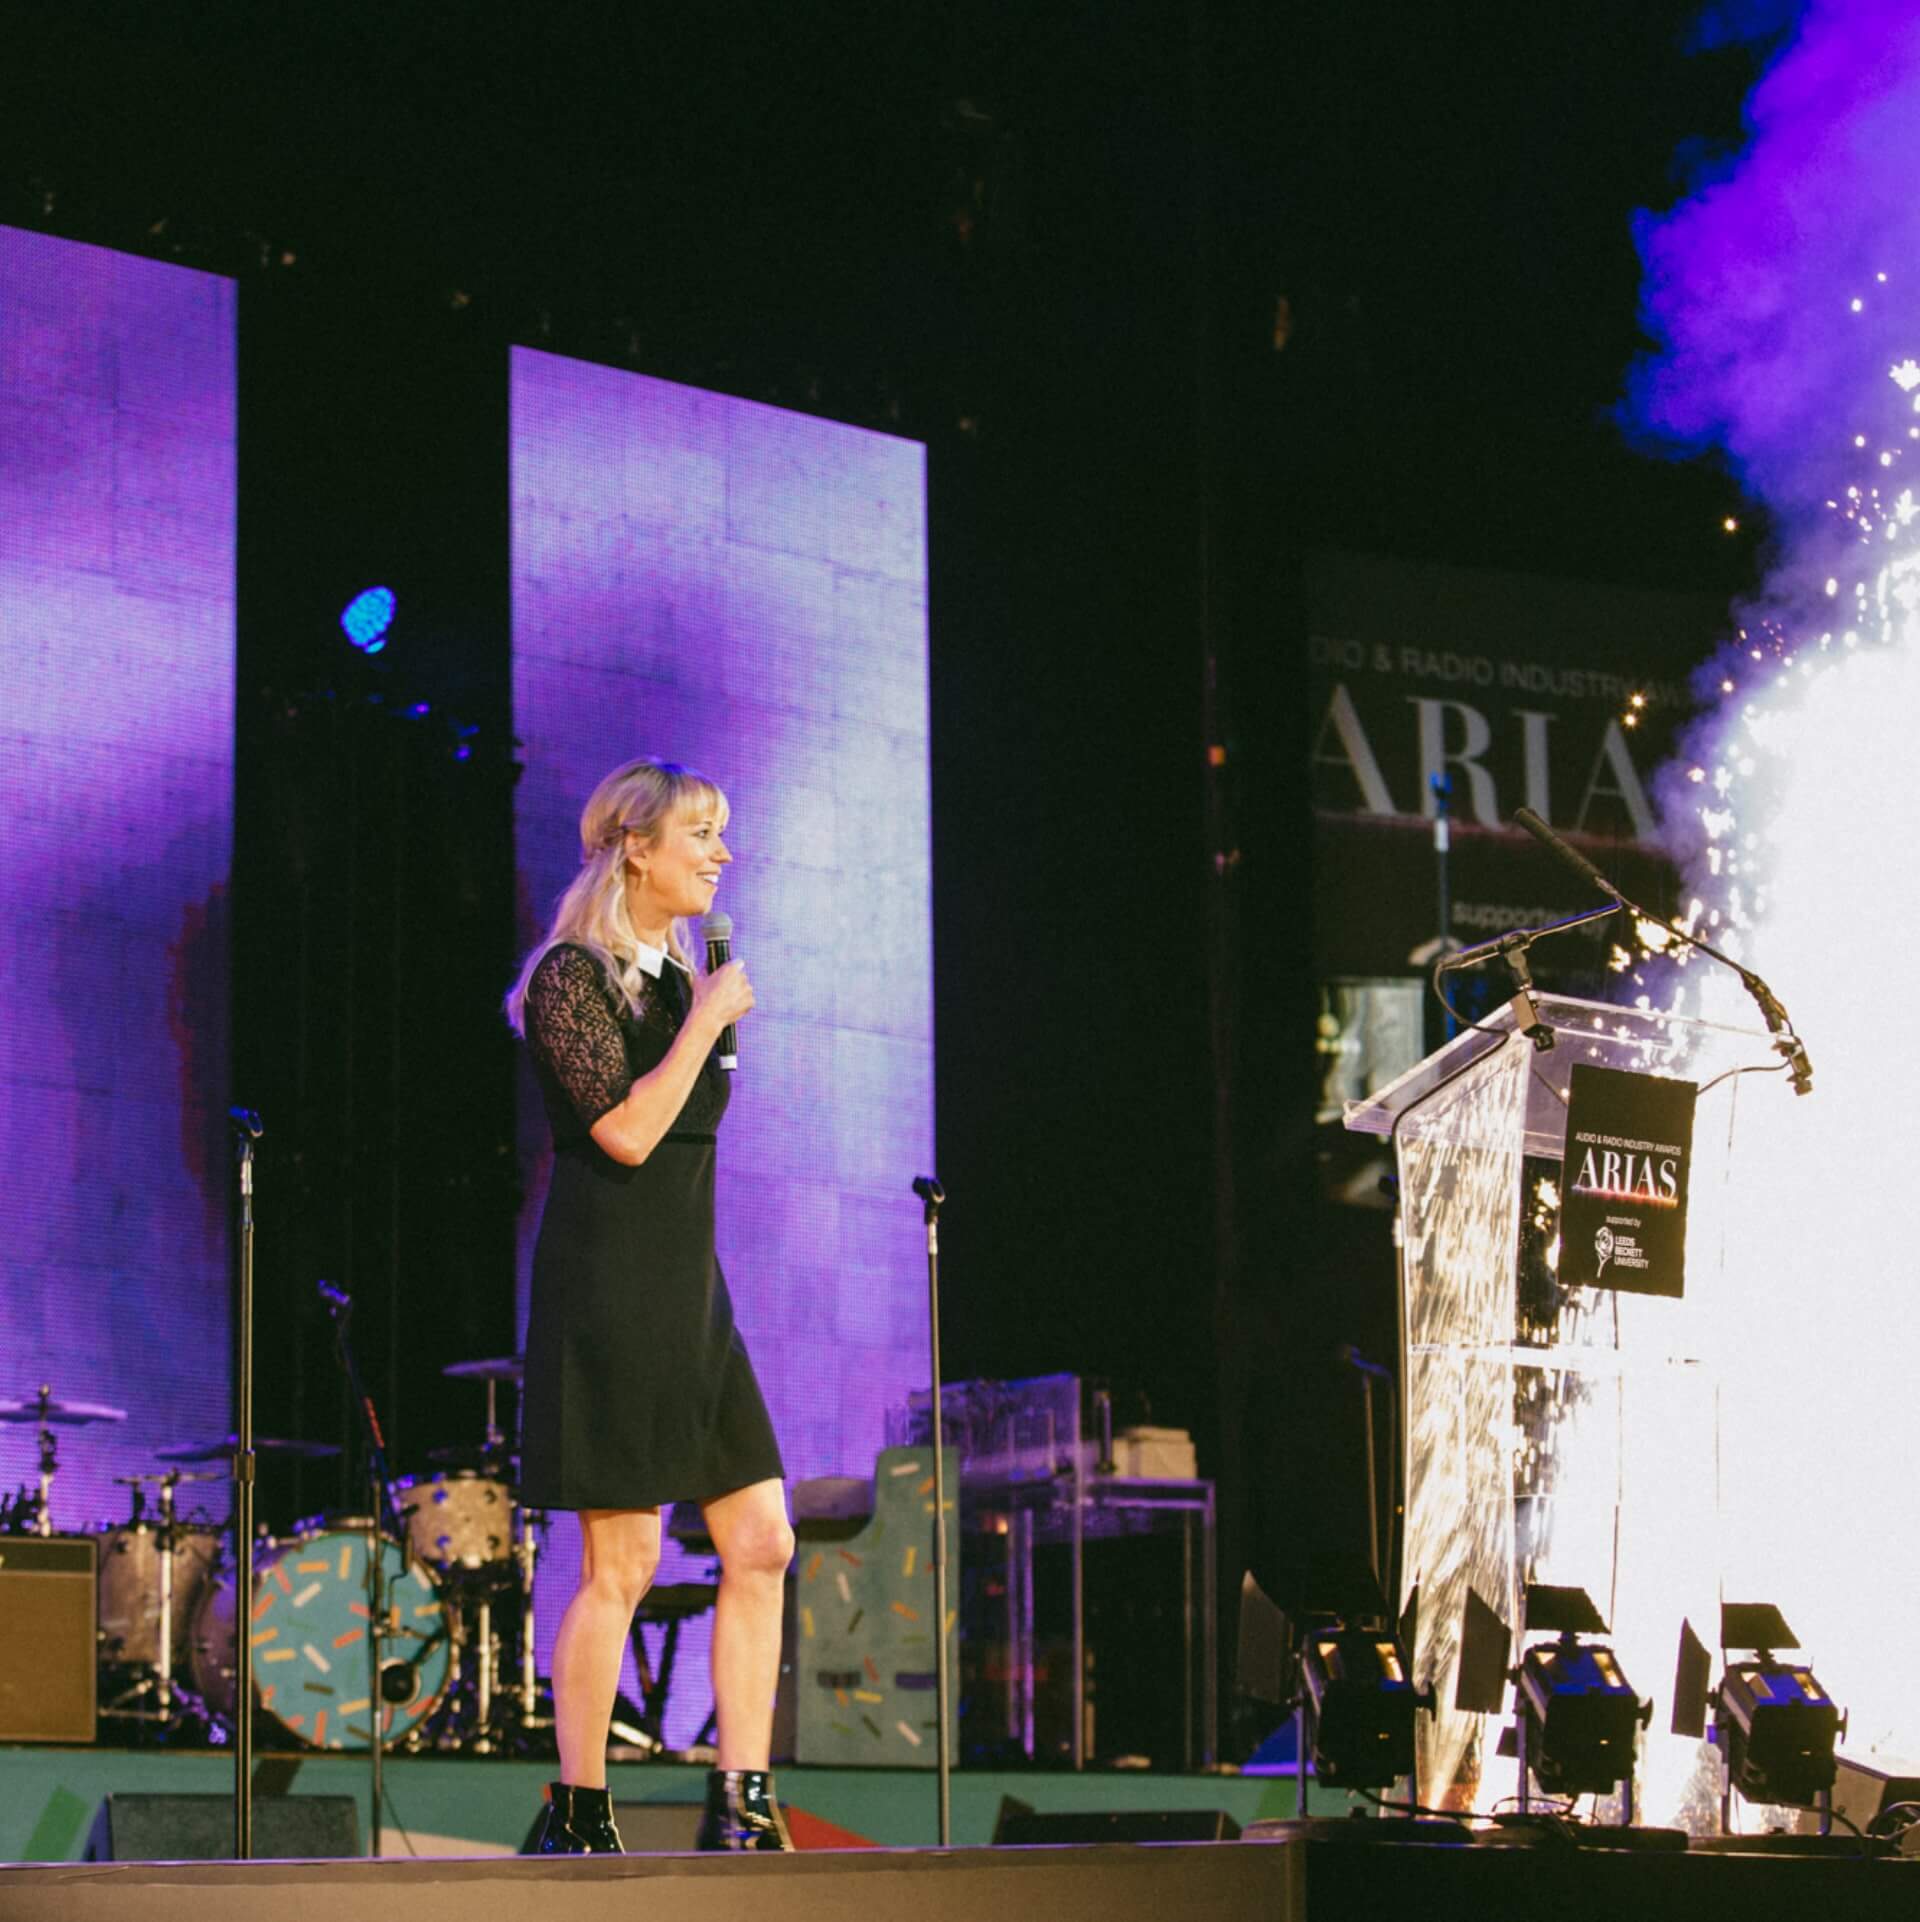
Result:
{"points": [[526, 1552], [222, 1450], [511, 1368], [142, 1630], [46, 1414]]}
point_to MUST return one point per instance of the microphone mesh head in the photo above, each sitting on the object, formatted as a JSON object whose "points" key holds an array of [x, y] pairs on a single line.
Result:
{"points": [[716, 926]]}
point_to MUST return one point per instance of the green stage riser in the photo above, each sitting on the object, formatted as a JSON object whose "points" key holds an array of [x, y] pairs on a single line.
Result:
{"points": [[452, 1805]]}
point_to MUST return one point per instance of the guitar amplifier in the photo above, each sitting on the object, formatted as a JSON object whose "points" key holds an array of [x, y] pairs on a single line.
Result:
{"points": [[47, 1601]]}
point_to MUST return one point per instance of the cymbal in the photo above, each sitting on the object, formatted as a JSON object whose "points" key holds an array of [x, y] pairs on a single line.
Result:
{"points": [[213, 1451], [507, 1368], [496, 1461], [62, 1414]]}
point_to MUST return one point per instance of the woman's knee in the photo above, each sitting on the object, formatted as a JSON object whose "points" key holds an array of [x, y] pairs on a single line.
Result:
{"points": [[620, 1563], [758, 1545]]}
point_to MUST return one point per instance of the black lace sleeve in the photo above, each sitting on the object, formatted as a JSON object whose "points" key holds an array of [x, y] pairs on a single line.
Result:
{"points": [[572, 1031]]}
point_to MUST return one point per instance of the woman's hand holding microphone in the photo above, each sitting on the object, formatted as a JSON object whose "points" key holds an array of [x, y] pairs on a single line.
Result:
{"points": [[722, 997]]}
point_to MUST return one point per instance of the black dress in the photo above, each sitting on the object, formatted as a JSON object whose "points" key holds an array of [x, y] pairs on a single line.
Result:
{"points": [[638, 1391]]}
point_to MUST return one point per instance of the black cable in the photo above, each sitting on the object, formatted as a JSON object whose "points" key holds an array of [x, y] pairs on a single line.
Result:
{"points": [[1453, 1013], [1779, 1067]]}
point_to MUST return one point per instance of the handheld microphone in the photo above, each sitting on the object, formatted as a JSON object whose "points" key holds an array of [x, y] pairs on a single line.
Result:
{"points": [[717, 928], [339, 1302]]}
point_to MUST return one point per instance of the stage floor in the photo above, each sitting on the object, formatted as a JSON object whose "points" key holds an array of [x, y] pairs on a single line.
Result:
{"points": [[1221, 1881]]}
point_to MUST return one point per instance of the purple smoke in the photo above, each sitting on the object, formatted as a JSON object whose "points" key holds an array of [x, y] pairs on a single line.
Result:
{"points": [[1750, 281]]}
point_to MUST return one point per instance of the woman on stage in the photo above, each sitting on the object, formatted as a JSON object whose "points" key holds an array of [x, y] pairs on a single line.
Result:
{"points": [[638, 1387]]}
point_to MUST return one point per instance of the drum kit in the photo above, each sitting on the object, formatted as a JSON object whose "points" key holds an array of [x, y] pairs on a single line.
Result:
{"points": [[452, 1667]]}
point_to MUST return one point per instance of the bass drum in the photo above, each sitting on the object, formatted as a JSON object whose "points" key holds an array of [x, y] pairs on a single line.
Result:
{"points": [[310, 1642]]}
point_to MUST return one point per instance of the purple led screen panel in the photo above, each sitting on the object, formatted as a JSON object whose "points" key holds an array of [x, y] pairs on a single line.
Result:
{"points": [[116, 809], [744, 589]]}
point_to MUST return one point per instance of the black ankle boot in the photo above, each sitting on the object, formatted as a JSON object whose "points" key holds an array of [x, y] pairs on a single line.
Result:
{"points": [[741, 1812], [578, 1822]]}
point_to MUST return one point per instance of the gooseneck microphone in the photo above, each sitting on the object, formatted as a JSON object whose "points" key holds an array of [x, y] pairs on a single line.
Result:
{"points": [[717, 930], [1578, 862], [1786, 1042]]}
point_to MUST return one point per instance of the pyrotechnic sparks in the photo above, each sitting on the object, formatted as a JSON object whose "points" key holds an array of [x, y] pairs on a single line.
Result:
{"points": [[1792, 815]]}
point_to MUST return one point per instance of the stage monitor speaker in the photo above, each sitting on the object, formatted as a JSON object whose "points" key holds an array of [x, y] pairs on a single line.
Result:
{"points": [[1021, 1827], [199, 1828], [48, 1586], [1865, 1789], [646, 1828]]}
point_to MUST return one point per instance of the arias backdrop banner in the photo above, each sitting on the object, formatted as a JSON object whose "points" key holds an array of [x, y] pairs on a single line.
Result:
{"points": [[744, 589], [117, 383], [1516, 691]]}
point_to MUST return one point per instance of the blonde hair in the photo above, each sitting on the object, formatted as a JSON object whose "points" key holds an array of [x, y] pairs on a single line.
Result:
{"points": [[641, 797]]}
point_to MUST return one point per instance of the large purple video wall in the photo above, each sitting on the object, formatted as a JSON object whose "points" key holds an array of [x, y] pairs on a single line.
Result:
{"points": [[116, 804], [744, 589]]}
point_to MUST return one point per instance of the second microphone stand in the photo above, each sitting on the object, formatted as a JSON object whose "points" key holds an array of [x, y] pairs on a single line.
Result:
{"points": [[340, 1308]]}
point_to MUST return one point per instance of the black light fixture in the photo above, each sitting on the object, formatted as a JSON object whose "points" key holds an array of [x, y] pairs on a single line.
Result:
{"points": [[1774, 1724], [1577, 1715], [1361, 1701], [1356, 1700]]}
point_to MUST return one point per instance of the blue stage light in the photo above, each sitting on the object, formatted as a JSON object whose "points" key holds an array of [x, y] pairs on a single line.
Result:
{"points": [[365, 619]]}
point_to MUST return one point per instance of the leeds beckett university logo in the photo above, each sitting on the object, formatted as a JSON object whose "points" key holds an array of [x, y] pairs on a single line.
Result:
{"points": [[1603, 1247]]}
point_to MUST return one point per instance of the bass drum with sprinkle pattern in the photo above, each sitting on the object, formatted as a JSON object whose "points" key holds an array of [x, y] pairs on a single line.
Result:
{"points": [[310, 1642]]}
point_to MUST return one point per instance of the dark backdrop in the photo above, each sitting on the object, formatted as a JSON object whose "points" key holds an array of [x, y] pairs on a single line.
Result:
{"points": [[1172, 293]]}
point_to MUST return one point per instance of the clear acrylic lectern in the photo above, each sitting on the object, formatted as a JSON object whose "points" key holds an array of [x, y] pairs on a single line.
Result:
{"points": [[1548, 1433]]}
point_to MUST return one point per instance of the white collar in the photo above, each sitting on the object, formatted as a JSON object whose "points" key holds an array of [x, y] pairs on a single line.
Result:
{"points": [[651, 960]]}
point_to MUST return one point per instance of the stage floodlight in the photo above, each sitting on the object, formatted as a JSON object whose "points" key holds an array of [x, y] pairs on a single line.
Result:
{"points": [[1576, 1716], [1355, 1696], [1582, 1717], [1775, 1724], [1359, 1685], [365, 619]]}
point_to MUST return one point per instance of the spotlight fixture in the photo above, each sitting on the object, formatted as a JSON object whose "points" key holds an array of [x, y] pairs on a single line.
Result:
{"points": [[1575, 1713], [1774, 1724], [1361, 1702], [1356, 1701], [365, 619]]}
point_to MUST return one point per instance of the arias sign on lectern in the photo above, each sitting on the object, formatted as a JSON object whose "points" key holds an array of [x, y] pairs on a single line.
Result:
{"points": [[1623, 1212]]}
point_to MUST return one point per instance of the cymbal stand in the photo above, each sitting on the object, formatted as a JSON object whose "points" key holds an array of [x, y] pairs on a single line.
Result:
{"points": [[49, 1466], [526, 1550]]}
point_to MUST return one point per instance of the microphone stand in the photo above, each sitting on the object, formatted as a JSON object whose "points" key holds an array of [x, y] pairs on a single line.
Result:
{"points": [[928, 1188], [1786, 1043], [246, 1131], [340, 1307], [1511, 948]]}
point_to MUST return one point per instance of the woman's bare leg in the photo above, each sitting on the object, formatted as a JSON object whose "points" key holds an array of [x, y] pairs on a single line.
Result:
{"points": [[619, 1551], [750, 1530]]}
